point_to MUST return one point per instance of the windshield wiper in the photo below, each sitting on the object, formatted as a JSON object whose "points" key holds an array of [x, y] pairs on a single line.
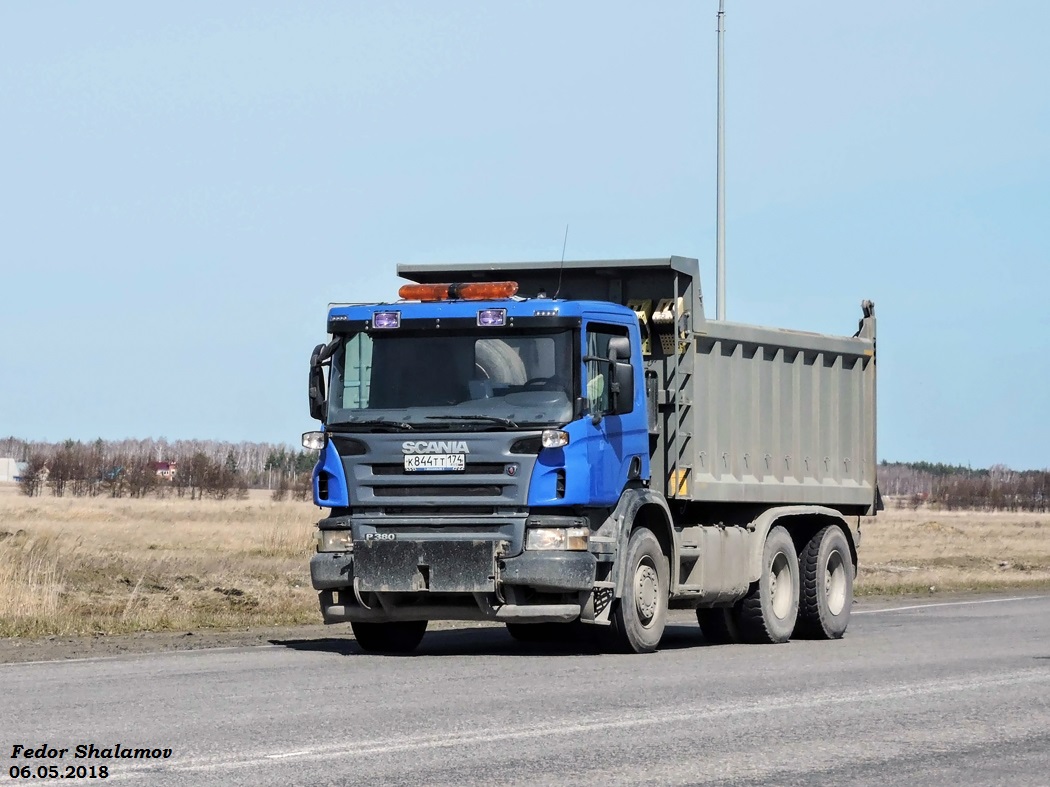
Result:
{"points": [[341, 426], [472, 417]]}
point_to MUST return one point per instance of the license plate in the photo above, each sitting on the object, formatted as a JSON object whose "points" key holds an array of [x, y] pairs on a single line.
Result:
{"points": [[448, 463]]}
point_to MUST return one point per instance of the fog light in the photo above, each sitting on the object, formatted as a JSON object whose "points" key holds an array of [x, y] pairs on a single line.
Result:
{"points": [[335, 541], [565, 538], [554, 438]]}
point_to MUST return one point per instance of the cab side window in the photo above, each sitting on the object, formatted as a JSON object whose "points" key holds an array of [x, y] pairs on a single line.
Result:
{"points": [[356, 373], [599, 372]]}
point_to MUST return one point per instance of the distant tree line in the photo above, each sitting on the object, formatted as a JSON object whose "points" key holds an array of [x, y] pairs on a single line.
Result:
{"points": [[997, 488], [222, 470], [904, 479], [184, 468]]}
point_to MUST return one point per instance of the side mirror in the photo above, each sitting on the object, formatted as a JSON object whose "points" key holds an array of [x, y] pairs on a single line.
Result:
{"points": [[622, 392], [315, 387], [621, 399], [619, 349]]}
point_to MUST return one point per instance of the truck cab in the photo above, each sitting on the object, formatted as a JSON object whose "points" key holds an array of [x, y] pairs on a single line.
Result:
{"points": [[469, 444]]}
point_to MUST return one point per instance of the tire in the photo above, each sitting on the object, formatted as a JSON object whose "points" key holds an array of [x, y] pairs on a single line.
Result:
{"points": [[767, 614], [640, 614], [399, 637], [827, 585], [499, 363], [718, 625], [547, 633]]}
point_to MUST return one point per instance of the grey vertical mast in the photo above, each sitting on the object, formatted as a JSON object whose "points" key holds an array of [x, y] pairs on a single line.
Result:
{"points": [[720, 232]]}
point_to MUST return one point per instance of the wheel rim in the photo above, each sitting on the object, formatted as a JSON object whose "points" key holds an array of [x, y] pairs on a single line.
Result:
{"points": [[646, 591], [780, 585], [835, 582]]}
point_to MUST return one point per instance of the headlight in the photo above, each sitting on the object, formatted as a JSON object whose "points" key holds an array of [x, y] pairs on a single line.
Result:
{"points": [[554, 438], [335, 541], [313, 441], [571, 538]]}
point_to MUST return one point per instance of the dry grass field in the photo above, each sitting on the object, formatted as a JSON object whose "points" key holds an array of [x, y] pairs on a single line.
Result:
{"points": [[87, 565], [95, 565], [904, 552]]}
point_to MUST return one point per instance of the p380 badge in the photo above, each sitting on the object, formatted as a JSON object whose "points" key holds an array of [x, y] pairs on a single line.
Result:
{"points": [[372, 537]]}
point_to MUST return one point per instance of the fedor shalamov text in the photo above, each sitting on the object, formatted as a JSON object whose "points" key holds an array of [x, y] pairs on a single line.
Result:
{"points": [[88, 751]]}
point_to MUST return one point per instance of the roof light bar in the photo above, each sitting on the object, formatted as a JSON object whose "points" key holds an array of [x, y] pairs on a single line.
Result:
{"points": [[424, 292], [475, 291]]}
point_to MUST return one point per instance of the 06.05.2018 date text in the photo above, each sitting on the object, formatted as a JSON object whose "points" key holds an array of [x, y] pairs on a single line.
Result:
{"points": [[58, 772]]}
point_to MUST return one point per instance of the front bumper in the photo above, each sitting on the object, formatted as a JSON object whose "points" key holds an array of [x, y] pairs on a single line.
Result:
{"points": [[532, 587], [547, 571], [331, 570]]}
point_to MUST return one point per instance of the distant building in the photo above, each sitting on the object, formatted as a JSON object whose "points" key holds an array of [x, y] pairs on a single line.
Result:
{"points": [[10, 470], [165, 470]]}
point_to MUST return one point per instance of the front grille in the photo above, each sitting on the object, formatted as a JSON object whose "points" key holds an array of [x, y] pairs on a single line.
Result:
{"points": [[491, 476], [472, 468], [433, 511], [438, 491], [401, 528]]}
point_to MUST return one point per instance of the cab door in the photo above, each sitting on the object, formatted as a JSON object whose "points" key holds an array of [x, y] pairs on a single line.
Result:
{"points": [[607, 453]]}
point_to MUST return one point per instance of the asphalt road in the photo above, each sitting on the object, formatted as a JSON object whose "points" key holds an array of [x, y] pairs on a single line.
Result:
{"points": [[955, 693]]}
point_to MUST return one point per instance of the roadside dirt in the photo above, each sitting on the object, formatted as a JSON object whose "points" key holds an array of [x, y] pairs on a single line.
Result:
{"points": [[55, 648]]}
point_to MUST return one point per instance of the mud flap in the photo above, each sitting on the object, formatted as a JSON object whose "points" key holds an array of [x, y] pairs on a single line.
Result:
{"points": [[599, 604], [414, 566]]}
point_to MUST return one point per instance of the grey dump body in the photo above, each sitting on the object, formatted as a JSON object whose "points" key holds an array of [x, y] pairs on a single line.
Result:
{"points": [[742, 415]]}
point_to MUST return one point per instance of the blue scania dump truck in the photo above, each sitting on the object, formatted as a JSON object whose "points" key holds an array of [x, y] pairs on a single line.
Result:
{"points": [[554, 444]]}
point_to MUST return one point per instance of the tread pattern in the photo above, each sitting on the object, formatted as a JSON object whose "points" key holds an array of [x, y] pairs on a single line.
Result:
{"points": [[749, 615], [810, 625], [629, 637], [808, 604]]}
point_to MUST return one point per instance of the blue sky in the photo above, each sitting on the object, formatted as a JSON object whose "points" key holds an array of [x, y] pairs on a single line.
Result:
{"points": [[183, 189]]}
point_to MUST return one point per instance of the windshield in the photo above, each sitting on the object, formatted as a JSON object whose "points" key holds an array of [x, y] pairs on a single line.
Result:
{"points": [[453, 379]]}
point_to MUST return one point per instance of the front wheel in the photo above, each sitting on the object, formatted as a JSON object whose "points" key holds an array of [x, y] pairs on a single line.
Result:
{"points": [[827, 585], [768, 613], [399, 637], [641, 614]]}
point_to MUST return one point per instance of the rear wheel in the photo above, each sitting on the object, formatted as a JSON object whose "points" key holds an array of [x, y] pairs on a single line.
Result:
{"points": [[718, 625], [768, 613], [827, 585], [399, 637], [641, 614]]}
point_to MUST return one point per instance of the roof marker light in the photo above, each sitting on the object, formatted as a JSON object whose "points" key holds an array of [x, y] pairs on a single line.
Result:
{"points": [[386, 320], [492, 318]]}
